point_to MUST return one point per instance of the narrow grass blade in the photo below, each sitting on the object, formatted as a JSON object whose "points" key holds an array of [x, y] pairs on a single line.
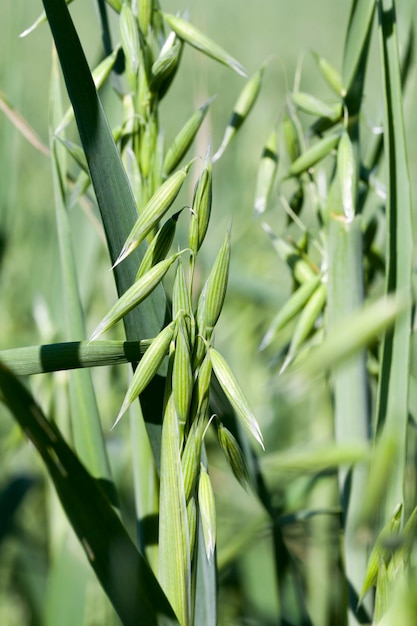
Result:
{"points": [[146, 486], [352, 335], [120, 568], [194, 37], [84, 415], [392, 409], [71, 355], [100, 74], [357, 40], [114, 196], [40, 20], [22, 125], [349, 379]]}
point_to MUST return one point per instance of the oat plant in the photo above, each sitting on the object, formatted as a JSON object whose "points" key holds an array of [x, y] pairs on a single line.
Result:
{"points": [[333, 493], [167, 574]]}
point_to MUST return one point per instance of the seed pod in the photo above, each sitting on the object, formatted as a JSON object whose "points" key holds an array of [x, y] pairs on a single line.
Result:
{"points": [[182, 376], [191, 456], [313, 155], [129, 35], [379, 552], [154, 210], [147, 367], [185, 138], [241, 110], [235, 395], [201, 390], [306, 322], [164, 68], [201, 209], [147, 146], [207, 508], [347, 174], [180, 295], [233, 454], [181, 304], [194, 37], [143, 94], [290, 136], [290, 309], [145, 10], [296, 201], [159, 246], [134, 295], [212, 297], [156, 177], [302, 270], [314, 106], [266, 173], [192, 523], [331, 75], [131, 166]]}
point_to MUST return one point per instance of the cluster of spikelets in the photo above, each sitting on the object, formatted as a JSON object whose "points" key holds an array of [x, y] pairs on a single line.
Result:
{"points": [[184, 348]]}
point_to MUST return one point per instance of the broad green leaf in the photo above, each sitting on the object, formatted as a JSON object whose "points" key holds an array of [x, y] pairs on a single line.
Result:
{"points": [[114, 196], [70, 355], [122, 571]]}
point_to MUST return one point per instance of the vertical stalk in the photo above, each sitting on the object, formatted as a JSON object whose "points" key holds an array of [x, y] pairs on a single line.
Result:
{"points": [[349, 381], [392, 409]]}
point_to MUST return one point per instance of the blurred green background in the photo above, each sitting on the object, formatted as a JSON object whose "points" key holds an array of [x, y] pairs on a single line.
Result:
{"points": [[31, 312]]}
